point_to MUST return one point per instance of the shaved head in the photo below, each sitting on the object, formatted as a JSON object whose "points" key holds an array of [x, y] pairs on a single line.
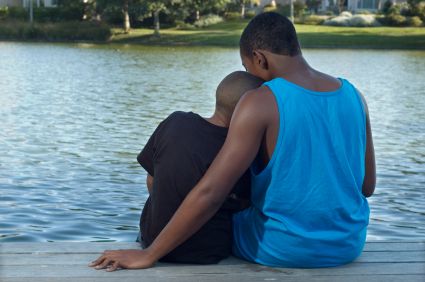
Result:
{"points": [[231, 89]]}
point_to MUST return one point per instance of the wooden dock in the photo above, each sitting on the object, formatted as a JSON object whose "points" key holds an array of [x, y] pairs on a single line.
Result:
{"points": [[67, 262]]}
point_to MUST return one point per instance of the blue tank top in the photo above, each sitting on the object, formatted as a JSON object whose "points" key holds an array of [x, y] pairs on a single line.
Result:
{"points": [[308, 209]]}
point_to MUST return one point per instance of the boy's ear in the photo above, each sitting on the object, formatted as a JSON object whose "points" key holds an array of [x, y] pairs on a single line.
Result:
{"points": [[260, 60]]}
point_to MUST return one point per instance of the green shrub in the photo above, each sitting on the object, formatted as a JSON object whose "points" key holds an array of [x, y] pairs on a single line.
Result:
{"points": [[285, 10], [394, 10], [113, 15], [346, 19], [72, 12], [363, 21], [4, 12], [233, 6], [43, 14], [63, 31], [326, 13], [421, 11], [208, 20], [414, 21], [363, 12], [270, 8], [18, 13], [250, 14], [231, 16], [52, 14], [299, 8], [183, 25], [386, 8], [312, 19], [97, 31], [395, 20], [404, 9]]}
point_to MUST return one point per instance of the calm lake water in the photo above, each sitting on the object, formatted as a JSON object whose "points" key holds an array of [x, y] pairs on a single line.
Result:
{"points": [[74, 117]]}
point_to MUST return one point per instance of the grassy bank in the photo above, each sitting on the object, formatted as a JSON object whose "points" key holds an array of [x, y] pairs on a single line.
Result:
{"points": [[224, 34], [227, 34]]}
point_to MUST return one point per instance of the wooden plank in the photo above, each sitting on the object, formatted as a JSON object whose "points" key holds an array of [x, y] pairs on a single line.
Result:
{"points": [[381, 261], [96, 247], [234, 278], [173, 270], [379, 246], [64, 247], [77, 258]]}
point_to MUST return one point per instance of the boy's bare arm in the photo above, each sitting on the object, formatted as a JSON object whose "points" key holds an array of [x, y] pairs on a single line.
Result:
{"points": [[369, 181], [149, 183], [248, 125]]}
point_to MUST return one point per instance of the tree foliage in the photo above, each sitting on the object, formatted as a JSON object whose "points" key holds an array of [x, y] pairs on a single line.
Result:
{"points": [[128, 13]]}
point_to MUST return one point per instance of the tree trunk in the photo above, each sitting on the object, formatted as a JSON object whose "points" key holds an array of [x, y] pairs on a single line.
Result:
{"points": [[292, 11], [31, 12], [126, 16], [242, 9], [197, 15], [156, 23]]}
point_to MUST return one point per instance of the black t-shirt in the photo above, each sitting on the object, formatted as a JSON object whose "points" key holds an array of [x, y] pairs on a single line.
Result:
{"points": [[177, 155]]}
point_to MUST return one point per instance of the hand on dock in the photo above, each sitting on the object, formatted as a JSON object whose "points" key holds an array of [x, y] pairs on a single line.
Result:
{"points": [[130, 259]]}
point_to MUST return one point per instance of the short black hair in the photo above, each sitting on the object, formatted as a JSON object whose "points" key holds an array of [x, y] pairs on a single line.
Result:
{"points": [[270, 32], [231, 89]]}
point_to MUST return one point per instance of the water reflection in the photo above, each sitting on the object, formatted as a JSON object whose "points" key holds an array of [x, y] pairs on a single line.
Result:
{"points": [[74, 117]]}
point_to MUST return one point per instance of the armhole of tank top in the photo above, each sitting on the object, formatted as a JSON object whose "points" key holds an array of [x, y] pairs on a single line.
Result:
{"points": [[360, 101], [279, 134], [363, 107]]}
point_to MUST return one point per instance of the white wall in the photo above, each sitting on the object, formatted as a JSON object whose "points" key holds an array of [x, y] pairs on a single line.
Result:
{"points": [[38, 3], [9, 3]]}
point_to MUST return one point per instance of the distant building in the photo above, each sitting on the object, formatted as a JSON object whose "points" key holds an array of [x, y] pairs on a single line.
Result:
{"points": [[25, 3], [353, 5], [350, 5], [371, 5]]}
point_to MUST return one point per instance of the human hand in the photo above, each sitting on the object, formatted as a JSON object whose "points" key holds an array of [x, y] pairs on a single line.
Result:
{"points": [[131, 259]]}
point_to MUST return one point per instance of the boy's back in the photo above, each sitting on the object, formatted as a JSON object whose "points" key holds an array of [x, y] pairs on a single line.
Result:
{"points": [[177, 155], [308, 209]]}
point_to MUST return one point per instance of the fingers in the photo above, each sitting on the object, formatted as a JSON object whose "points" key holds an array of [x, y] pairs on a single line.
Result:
{"points": [[104, 264], [98, 261], [105, 261], [113, 267]]}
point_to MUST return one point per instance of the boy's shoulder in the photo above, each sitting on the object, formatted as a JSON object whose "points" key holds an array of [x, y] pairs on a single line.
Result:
{"points": [[180, 116], [177, 118], [187, 126]]}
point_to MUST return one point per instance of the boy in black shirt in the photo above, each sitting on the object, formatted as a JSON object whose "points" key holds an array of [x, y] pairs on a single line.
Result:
{"points": [[176, 157]]}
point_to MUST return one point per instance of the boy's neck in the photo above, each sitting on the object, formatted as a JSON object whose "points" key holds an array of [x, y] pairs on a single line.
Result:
{"points": [[298, 71], [218, 119], [287, 67]]}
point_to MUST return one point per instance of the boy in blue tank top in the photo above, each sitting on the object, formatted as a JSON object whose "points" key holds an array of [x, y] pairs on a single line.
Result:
{"points": [[307, 138]]}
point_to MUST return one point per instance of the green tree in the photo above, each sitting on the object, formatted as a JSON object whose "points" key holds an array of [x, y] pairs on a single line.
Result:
{"points": [[415, 7], [71, 9], [313, 5], [102, 5], [155, 7], [152, 8], [127, 26], [200, 7], [242, 4]]}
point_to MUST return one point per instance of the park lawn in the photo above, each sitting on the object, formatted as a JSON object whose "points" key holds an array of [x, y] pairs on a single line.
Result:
{"points": [[227, 34]]}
